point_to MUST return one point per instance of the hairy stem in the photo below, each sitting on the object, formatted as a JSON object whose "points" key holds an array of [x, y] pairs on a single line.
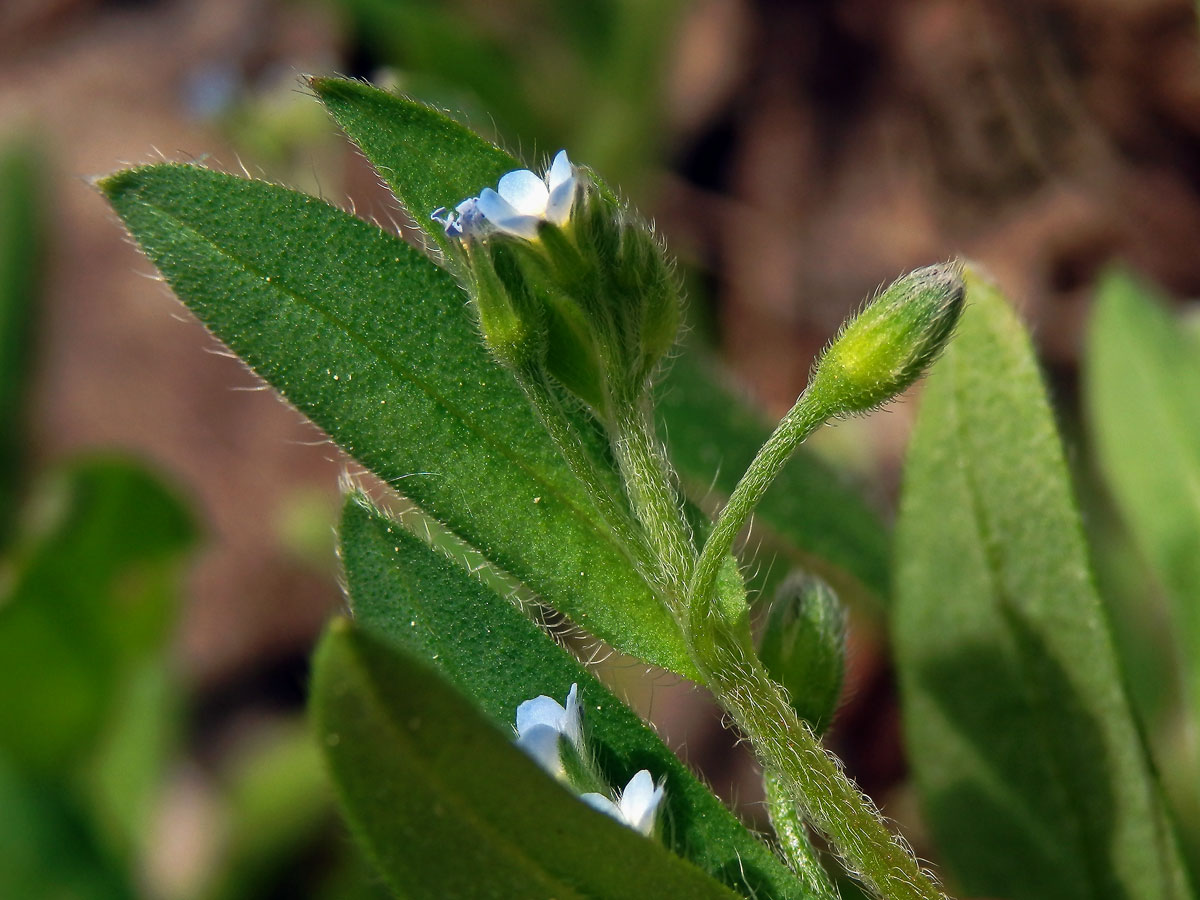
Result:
{"points": [[650, 483], [794, 843], [801, 421], [789, 751], [808, 774]]}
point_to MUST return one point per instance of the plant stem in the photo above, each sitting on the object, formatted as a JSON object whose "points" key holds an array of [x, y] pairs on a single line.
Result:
{"points": [[809, 774], [794, 843], [801, 421], [787, 748], [650, 482]]}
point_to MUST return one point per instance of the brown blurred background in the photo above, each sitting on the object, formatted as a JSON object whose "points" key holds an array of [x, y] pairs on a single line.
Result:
{"points": [[797, 155]]}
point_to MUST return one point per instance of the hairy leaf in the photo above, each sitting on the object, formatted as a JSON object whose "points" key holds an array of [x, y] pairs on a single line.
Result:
{"points": [[414, 598], [376, 345], [1025, 749], [429, 161], [1143, 392], [448, 807]]}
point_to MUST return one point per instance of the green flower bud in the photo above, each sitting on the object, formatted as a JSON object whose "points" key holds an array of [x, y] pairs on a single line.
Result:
{"points": [[890, 344], [804, 646], [510, 316]]}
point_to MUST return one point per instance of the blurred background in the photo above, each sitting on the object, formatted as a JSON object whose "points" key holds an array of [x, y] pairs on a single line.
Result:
{"points": [[795, 155]]}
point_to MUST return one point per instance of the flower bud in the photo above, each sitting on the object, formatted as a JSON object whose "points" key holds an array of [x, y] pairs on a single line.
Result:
{"points": [[804, 646], [890, 344]]}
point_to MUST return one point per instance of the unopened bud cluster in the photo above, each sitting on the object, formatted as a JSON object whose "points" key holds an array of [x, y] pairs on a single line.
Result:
{"points": [[568, 281]]}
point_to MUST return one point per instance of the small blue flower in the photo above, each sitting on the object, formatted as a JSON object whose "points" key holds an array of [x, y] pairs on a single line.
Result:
{"points": [[542, 723], [637, 806], [522, 201]]}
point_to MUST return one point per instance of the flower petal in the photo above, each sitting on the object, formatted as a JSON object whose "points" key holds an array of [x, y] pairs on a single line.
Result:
{"points": [[561, 181], [500, 213], [600, 803], [525, 191], [560, 172], [541, 711], [572, 721], [541, 743], [640, 801]]}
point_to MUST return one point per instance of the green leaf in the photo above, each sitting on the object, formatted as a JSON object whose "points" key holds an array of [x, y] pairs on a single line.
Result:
{"points": [[1026, 753], [448, 807], [376, 345], [810, 513], [276, 800], [20, 259], [47, 850], [429, 161], [488, 649], [1143, 395], [93, 597]]}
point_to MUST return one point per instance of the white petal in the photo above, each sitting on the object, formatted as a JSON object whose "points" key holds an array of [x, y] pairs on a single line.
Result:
{"points": [[540, 712], [602, 804], [561, 180], [541, 743], [493, 207], [525, 191], [558, 207], [572, 721], [639, 802], [520, 226], [560, 171]]}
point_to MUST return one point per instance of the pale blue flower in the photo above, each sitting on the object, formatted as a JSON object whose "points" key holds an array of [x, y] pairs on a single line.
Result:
{"points": [[637, 806], [542, 723], [521, 201]]}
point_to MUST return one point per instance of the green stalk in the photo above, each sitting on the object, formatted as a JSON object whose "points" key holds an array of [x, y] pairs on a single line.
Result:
{"points": [[794, 843], [802, 420], [807, 773], [650, 482]]}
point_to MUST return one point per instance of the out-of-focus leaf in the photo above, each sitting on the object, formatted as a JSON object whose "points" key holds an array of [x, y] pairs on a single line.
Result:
{"points": [[1143, 394], [47, 850], [447, 806], [20, 257], [416, 599], [277, 801], [376, 345], [1025, 749], [125, 774], [93, 596], [811, 513]]}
